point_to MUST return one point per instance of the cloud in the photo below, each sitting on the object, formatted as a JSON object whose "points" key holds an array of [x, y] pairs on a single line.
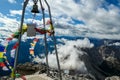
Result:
{"points": [[101, 19], [115, 44], [69, 55], [9, 25], [12, 1], [7, 21], [15, 12]]}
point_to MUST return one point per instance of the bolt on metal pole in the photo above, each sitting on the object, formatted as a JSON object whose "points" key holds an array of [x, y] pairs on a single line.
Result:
{"points": [[19, 39], [46, 48], [54, 40]]}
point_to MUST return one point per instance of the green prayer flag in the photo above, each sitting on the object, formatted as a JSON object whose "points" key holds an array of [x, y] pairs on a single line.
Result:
{"points": [[1, 60]]}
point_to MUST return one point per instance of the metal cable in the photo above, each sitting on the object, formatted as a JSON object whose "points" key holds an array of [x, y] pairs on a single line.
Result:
{"points": [[34, 15]]}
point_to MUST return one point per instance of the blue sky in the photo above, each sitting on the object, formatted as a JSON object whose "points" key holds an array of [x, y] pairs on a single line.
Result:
{"points": [[6, 6], [88, 18]]}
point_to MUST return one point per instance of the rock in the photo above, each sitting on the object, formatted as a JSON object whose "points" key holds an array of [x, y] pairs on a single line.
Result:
{"points": [[113, 78], [87, 76], [30, 68], [94, 54], [107, 51], [105, 58], [92, 68], [36, 77], [111, 56]]}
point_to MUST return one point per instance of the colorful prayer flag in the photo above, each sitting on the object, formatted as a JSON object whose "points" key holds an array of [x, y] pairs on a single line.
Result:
{"points": [[5, 68], [1, 60], [2, 48], [13, 53], [2, 64], [1, 54]]}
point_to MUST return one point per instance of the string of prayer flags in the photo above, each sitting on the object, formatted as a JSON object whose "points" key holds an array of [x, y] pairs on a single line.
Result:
{"points": [[41, 31], [2, 62], [31, 49]]}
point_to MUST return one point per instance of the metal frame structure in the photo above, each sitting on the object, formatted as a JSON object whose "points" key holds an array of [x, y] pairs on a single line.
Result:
{"points": [[54, 39]]}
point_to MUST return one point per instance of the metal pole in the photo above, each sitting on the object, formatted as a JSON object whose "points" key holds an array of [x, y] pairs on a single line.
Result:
{"points": [[19, 39], [54, 40], [46, 48]]}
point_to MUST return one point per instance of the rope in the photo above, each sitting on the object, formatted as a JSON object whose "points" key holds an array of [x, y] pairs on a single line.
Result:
{"points": [[54, 40], [12, 52], [46, 48], [34, 15]]}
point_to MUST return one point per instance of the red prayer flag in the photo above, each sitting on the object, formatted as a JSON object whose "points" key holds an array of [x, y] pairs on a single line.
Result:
{"points": [[9, 39], [15, 46], [24, 78], [2, 64], [40, 31], [35, 40]]}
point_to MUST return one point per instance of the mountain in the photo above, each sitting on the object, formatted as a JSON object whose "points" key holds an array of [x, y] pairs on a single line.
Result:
{"points": [[77, 53], [24, 55]]}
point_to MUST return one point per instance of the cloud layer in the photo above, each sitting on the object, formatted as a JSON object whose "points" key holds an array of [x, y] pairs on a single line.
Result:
{"points": [[69, 55]]}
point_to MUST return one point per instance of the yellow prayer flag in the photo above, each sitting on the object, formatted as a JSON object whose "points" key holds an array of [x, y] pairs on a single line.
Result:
{"points": [[4, 57], [32, 44], [24, 27], [12, 74], [51, 27], [1, 54]]}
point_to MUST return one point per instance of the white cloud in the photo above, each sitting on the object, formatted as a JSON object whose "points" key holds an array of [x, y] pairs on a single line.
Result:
{"points": [[115, 44], [12, 1], [10, 25], [69, 55], [15, 12], [99, 21], [8, 21]]}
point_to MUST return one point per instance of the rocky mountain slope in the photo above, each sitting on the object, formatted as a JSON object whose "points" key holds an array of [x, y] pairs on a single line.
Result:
{"points": [[102, 63]]}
